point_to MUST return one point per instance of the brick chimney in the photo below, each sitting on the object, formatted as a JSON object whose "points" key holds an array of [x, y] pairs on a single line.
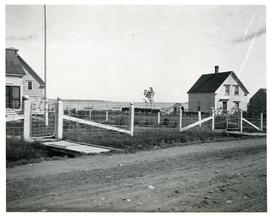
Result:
{"points": [[216, 69]]}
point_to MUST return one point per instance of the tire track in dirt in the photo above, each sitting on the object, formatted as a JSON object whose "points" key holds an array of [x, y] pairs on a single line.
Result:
{"points": [[137, 170], [181, 184]]}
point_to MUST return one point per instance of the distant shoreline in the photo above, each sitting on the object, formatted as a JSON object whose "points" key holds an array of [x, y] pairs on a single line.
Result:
{"points": [[81, 104]]}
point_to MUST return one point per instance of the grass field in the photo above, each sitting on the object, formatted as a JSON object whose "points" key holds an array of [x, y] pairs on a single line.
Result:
{"points": [[146, 139], [19, 151]]}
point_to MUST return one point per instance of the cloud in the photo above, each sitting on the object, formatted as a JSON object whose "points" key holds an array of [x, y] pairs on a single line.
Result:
{"points": [[251, 35], [20, 38]]}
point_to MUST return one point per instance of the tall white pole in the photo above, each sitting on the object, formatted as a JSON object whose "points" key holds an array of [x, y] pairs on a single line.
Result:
{"points": [[45, 51], [45, 67]]}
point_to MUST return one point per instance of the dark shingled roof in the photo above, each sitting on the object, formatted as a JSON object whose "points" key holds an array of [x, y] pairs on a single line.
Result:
{"points": [[31, 71], [264, 90], [13, 66], [209, 83]]}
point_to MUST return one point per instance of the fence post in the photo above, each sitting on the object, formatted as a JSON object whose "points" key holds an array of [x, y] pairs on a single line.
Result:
{"points": [[180, 117], [200, 118], [107, 115], [27, 120], [90, 113], [59, 120], [213, 118], [158, 118], [261, 121], [131, 122], [241, 121], [46, 114]]}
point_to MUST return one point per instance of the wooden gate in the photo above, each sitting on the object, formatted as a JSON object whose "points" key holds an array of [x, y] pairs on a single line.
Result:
{"points": [[233, 120]]}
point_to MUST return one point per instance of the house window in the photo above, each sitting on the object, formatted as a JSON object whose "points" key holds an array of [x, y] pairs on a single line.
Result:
{"points": [[199, 106], [13, 97], [29, 85], [224, 106], [236, 90], [227, 89], [236, 104]]}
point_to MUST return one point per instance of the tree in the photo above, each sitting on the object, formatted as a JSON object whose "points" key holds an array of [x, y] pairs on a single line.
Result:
{"points": [[149, 94]]}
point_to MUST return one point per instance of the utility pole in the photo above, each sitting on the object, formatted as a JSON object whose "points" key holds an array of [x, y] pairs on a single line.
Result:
{"points": [[45, 51], [45, 68]]}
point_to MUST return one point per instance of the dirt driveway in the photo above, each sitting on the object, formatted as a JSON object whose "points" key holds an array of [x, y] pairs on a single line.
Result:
{"points": [[221, 176]]}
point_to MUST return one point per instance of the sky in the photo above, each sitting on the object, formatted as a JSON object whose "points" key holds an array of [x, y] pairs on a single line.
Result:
{"points": [[115, 52]]}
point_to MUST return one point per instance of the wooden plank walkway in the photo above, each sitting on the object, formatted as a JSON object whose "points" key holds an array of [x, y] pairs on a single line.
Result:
{"points": [[74, 147]]}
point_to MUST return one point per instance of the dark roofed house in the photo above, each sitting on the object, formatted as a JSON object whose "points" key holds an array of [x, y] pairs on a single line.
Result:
{"points": [[21, 80], [257, 102], [219, 90]]}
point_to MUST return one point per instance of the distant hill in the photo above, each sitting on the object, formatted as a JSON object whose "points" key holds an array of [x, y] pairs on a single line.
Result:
{"points": [[109, 105]]}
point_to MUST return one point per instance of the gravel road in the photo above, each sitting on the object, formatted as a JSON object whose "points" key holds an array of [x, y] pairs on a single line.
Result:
{"points": [[211, 177]]}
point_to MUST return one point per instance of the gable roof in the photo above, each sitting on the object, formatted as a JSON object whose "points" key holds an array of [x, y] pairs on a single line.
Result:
{"points": [[15, 65], [31, 71], [261, 92], [264, 90], [209, 83]]}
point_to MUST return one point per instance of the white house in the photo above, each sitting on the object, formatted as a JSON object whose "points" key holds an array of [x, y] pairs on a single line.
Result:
{"points": [[21, 80], [220, 90]]}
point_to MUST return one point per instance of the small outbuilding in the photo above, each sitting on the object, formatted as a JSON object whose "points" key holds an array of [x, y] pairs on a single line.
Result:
{"points": [[257, 102]]}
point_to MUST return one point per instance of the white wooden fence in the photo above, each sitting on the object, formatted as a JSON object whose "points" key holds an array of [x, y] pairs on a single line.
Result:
{"points": [[197, 123], [60, 117]]}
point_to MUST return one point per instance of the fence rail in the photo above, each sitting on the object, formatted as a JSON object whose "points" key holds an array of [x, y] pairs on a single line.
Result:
{"points": [[94, 124]]}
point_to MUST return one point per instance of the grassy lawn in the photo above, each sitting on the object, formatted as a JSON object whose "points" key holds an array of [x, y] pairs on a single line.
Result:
{"points": [[146, 139], [19, 151]]}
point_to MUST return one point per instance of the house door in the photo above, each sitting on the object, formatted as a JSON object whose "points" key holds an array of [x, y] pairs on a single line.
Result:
{"points": [[13, 97], [224, 105]]}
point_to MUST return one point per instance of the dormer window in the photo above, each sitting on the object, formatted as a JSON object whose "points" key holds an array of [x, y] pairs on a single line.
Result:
{"points": [[227, 89], [236, 90]]}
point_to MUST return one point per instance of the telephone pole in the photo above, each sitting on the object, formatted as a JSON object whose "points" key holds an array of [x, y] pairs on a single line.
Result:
{"points": [[45, 51]]}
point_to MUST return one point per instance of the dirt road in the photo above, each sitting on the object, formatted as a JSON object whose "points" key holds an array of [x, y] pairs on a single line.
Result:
{"points": [[222, 176]]}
